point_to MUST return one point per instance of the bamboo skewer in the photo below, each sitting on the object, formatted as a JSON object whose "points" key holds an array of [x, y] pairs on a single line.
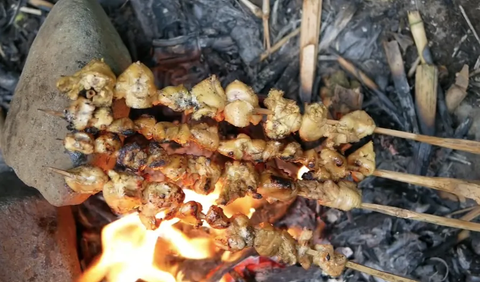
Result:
{"points": [[377, 273], [434, 219], [265, 18], [468, 189]]}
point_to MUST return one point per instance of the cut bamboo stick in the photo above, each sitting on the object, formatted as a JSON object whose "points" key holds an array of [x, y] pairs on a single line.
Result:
{"points": [[309, 37], [465, 188], [434, 219], [377, 273], [265, 19], [419, 36], [426, 97], [279, 44]]}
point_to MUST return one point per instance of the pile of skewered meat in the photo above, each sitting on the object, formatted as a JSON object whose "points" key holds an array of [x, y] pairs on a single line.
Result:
{"points": [[144, 165]]}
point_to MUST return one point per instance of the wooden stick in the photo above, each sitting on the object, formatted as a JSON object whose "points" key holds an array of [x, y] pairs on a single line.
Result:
{"points": [[265, 18], [279, 44], [452, 143], [252, 7], [377, 273], [426, 81], [53, 113], [470, 25], [262, 111], [434, 219], [309, 37], [465, 188], [40, 3], [62, 172]]}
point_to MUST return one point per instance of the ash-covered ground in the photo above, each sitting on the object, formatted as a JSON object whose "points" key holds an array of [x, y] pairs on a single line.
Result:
{"points": [[223, 37]]}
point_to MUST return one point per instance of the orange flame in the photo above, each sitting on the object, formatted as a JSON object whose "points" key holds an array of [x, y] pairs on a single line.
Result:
{"points": [[302, 171], [129, 248]]}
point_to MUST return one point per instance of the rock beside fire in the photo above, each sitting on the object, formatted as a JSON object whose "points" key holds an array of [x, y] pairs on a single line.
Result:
{"points": [[38, 240], [75, 32]]}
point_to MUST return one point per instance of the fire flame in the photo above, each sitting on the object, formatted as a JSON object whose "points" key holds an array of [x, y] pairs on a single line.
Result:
{"points": [[129, 248]]}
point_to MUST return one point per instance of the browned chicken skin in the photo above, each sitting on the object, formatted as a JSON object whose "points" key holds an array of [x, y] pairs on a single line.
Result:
{"points": [[123, 193], [313, 122], [238, 179], [286, 117], [361, 163]]}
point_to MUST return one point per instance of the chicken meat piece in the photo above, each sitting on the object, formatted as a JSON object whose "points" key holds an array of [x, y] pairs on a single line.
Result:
{"points": [[272, 150], [189, 213], [102, 118], [210, 99], [96, 76], [334, 163], [272, 242], [205, 136], [291, 152], [122, 126], [176, 167], [286, 117], [303, 247], [158, 197], [132, 156], [276, 188], [343, 196], [177, 98], [79, 142], [238, 180], [238, 236], [310, 159], [157, 156], [320, 174], [313, 121], [108, 143], [137, 85], [145, 125], [84, 179], [123, 193], [168, 131], [238, 113], [352, 127], [331, 262], [202, 175], [243, 148], [239, 91], [216, 218], [79, 113], [361, 163]]}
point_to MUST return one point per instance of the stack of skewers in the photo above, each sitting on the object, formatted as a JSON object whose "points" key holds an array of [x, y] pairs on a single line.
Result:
{"points": [[139, 170]]}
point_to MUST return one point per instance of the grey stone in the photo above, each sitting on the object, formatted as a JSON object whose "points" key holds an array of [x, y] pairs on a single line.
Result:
{"points": [[37, 240], [75, 32]]}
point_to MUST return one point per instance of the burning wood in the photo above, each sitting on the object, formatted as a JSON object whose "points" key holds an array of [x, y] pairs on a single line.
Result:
{"points": [[157, 184]]}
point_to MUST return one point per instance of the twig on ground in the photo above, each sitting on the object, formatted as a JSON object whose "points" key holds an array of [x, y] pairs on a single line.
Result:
{"points": [[469, 23]]}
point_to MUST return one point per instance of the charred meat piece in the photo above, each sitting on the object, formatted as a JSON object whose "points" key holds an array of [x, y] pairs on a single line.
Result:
{"points": [[238, 236], [202, 174], [122, 126], [205, 136], [177, 98], [238, 180], [137, 85], [84, 179], [334, 163], [361, 163], [328, 260], [108, 143], [95, 76], [157, 156], [158, 197], [276, 188], [79, 142], [210, 99], [313, 122], [102, 118], [132, 156], [123, 193], [352, 127], [145, 126], [286, 117], [343, 196], [189, 213], [292, 152], [216, 218], [79, 113], [272, 242]]}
